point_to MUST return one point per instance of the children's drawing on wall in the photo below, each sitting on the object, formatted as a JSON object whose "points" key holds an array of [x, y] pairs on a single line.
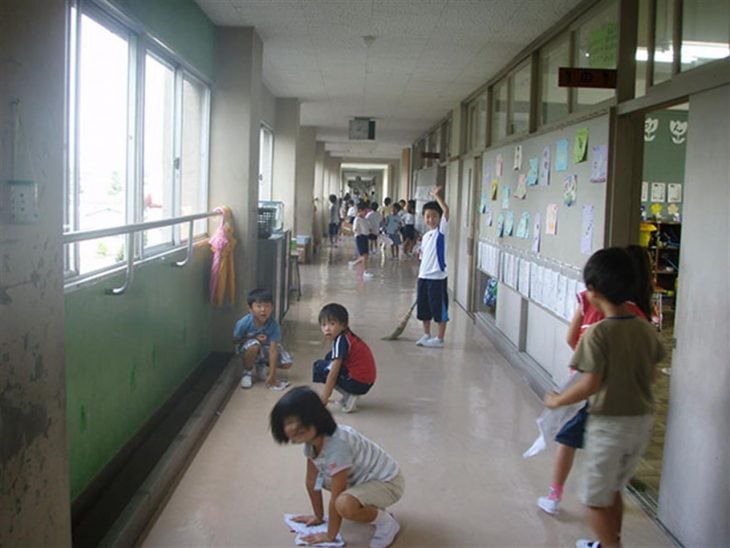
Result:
{"points": [[483, 200], [656, 210], [505, 197], [509, 223], [645, 191], [500, 165], [586, 230], [599, 165], [536, 231], [580, 145], [523, 227], [488, 216], [551, 219], [674, 193], [517, 164], [561, 155], [570, 189], [532, 171], [521, 190], [495, 187], [500, 225], [545, 166], [673, 210], [651, 125], [658, 192]]}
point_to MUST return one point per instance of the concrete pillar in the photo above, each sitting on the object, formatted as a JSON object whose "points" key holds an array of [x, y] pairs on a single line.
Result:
{"points": [[286, 134], [234, 158], [405, 175], [306, 149], [34, 475]]}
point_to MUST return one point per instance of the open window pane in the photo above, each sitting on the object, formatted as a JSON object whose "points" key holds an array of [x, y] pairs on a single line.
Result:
{"points": [[705, 32], [194, 154], [597, 47], [159, 117]]}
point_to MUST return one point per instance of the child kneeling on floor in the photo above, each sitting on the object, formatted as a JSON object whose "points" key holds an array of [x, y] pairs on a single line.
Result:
{"points": [[361, 477], [349, 367], [257, 336]]}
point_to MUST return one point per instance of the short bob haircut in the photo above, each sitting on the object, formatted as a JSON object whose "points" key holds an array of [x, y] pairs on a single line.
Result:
{"points": [[334, 311], [259, 296], [434, 206], [303, 403], [610, 272]]}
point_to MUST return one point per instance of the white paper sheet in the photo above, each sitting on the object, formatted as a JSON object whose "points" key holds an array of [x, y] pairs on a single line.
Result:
{"points": [[302, 530]]}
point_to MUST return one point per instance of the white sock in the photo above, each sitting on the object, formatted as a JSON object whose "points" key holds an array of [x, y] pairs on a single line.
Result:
{"points": [[382, 517]]}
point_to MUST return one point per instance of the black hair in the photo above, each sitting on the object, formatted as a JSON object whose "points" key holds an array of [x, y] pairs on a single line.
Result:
{"points": [[434, 206], [610, 272], [643, 287], [259, 295], [303, 403], [374, 206], [334, 311], [387, 202], [333, 198], [397, 207], [363, 205]]}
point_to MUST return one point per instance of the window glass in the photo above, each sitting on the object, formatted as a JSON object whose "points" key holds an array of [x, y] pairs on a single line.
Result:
{"points": [[481, 122], [597, 47], [521, 100], [266, 156], [102, 142], [663, 50], [193, 153], [705, 32], [553, 99], [471, 120], [642, 48], [159, 117], [500, 104]]}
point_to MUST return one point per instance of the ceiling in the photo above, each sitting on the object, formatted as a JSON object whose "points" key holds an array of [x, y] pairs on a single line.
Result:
{"points": [[426, 56]]}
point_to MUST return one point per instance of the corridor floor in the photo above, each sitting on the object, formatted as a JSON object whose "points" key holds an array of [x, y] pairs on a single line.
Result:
{"points": [[457, 419]]}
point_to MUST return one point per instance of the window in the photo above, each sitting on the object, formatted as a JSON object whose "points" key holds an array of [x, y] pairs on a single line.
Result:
{"points": [[520, 100], [266, 161], [500, 112], [642, 49], [705, 32], [597, 47], [663, 43], [138, 141], [554, 99]]}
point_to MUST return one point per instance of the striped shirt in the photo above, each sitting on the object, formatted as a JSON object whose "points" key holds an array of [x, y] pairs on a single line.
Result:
{"points": [[348, 449]]}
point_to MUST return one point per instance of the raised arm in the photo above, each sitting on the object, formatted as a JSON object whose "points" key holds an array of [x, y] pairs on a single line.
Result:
{"points": [[436, 193]]}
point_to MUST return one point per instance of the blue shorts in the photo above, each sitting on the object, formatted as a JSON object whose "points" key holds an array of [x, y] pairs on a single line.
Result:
{"points": [[320, 370], [571, 434], [395, 237], [433, 300], [334, 228], [361, 241], [409, 232]]}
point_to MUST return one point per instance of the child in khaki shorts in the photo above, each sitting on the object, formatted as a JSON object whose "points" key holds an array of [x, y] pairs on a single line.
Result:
{"points": [[617, 359]]}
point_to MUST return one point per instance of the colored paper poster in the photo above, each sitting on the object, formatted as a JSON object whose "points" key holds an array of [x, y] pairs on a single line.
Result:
{"points": [[521, 190], [673, 210], [586, 230], [674, 193], [523, 227], [532, 171], [551, 219], [644, 191], [545, 166], [536, 231], [500, 165], [580, 145], [488, 216], [486, 174], [500, 225], [658, 192], [495, 187], [570, 189], [483, 201], [599, 165], [509, 223], [561, 155], [517, 164], [505, 197]]}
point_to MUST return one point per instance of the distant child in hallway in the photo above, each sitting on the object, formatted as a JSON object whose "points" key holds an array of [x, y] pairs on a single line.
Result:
{"points": [[432, 297], [617, 359], [570, 437], [257, 336], [363, 480], [392, 230], [349, 366], [334, 220], [375, 219], [409, 227], [361, 229]]}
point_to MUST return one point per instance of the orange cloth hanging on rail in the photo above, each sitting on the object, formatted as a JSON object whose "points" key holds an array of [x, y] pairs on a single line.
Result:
{"points": [[222, 244]]}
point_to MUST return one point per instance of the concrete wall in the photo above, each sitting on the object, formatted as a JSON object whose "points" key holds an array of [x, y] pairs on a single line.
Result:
{"points": [[286, 134], [694, 499], [306, 149], [268, 107], [34, 501]]}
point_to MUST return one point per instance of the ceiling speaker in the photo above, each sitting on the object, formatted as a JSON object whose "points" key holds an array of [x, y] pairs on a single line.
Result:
{"points": [[362, 129]]}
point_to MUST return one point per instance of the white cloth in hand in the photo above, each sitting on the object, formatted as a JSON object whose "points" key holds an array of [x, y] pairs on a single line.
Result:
{"points": [[302, 530]]}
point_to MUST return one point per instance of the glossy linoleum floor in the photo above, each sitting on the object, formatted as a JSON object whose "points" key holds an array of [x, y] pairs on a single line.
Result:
{"points": [[457, 420]]}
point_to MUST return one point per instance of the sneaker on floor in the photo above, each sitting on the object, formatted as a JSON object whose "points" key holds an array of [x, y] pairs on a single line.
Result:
{"points": [[549, 504], [585, 543], [278, 386], [367, 274], [348, 403], [246, 380], [434, 342], [423, 340], [385, 532]]}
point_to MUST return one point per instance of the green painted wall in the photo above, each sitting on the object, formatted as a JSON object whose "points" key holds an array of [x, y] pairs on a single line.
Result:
{"points": [[179, 24], [125, 355]]}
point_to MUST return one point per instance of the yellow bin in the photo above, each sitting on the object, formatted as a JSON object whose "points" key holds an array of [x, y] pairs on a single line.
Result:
{"points": [[645, 230]]}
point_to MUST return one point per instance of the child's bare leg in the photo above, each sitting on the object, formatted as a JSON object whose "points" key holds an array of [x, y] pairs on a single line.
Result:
{"points": [[249, 357], [350, 508], [564, 457], [604, 524], [427, 327], [441, 329], [273, 362]]}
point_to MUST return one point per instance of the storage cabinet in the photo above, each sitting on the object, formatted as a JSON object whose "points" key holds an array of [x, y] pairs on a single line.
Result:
{"points": [[272, 270], [663, 247]]}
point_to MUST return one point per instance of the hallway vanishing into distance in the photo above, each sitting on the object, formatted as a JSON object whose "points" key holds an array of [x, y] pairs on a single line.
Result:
{"points": [[457, 419]]}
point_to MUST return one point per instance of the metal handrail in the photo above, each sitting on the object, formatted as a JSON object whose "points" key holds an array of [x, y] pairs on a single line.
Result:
{"points": [[130, 230]]}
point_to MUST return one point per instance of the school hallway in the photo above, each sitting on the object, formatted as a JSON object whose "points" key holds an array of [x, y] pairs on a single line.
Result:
{"points": [[457, 420]]}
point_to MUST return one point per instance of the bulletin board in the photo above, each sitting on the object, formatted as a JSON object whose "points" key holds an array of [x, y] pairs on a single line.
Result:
{"points": [[545, 197]]}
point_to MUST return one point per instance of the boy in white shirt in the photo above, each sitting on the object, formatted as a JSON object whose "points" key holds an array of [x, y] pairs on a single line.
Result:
{"points": [[361, 229], [432, 295]]}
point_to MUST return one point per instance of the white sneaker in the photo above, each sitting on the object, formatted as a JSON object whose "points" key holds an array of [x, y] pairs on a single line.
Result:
{"points": [[423, 340], [367, 274], [546, 504], [585, 543], [348, 403], [385, 532], [246, 380], [280, 385], [434, 342]]}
